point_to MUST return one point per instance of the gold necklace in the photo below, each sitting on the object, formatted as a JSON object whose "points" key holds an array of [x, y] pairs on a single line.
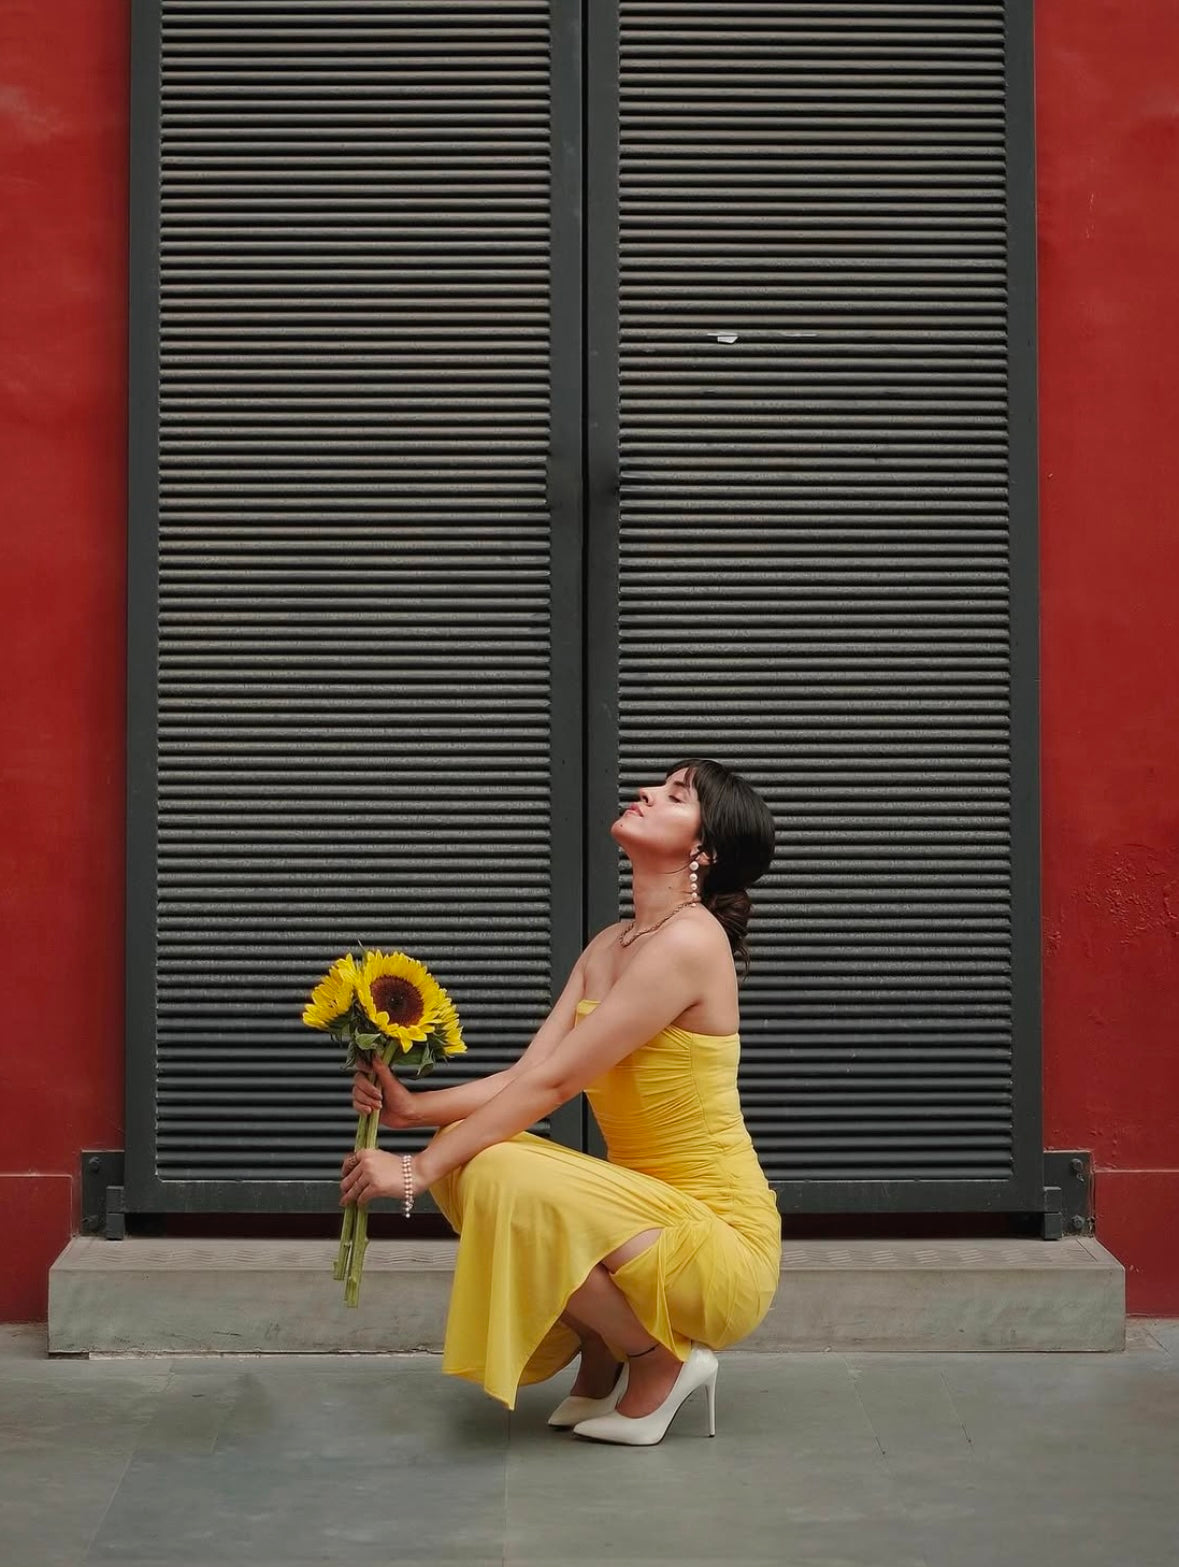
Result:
{"points": [[625, 937]]}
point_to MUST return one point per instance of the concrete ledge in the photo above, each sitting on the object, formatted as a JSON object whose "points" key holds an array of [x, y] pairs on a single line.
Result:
{"points": [[947, 1295], [192, 1297]]}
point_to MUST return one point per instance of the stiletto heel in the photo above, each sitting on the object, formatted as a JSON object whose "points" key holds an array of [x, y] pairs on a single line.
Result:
{"points": [[699, 1370], [576, 1407]]}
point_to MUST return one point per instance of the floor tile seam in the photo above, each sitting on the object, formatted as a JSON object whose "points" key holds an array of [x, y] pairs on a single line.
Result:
{"points": [[86, 1560], [1157, 1342], [855, 1387], [132, 1454], [160, 1402], [941, 1376], [133, 1431]]}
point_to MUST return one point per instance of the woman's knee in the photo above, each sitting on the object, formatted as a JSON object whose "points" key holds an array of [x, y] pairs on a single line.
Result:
{"points": [[502, 1168]]}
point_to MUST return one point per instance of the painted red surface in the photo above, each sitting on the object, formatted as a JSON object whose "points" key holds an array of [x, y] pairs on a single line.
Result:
{"points": [[63, 423], [1107, 117], [1108, 145]]}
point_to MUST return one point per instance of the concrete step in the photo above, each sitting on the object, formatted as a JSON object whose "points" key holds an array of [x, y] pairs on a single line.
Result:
{"points": [[193, 1297]]}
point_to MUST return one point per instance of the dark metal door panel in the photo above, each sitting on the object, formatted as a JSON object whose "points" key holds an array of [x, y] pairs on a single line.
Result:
{"points": [[813, 551], [355, 687]]}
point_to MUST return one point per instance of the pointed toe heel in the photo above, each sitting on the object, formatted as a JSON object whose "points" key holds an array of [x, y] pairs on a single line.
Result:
{"points": [[699, 1370], [576, 1408]]}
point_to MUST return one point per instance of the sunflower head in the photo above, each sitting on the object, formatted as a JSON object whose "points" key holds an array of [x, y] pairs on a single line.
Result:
{"points": [[332, 998], [446, 1027], [399, 996]]}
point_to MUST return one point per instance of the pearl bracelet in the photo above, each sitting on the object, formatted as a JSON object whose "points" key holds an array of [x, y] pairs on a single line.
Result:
{"points": [[407, 1172]]}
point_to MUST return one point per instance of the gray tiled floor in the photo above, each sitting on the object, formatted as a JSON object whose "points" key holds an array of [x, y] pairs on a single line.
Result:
{"points": [[883, 1460]]}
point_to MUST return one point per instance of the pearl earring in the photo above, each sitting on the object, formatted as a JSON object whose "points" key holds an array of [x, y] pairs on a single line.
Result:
{"points": [[692, 881]]}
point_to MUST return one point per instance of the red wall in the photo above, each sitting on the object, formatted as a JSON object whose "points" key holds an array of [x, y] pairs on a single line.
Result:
{"points": [[1106, 116], [63, 434], [1108, 147]]}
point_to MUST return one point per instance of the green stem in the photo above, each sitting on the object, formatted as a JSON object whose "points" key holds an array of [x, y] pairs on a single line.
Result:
{"points": [[371, 1125], [348, 1227], [356, 1261], [344, 1254], [366, 1137]]}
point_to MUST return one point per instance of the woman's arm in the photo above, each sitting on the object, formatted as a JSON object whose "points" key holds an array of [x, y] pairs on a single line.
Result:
{"points": [[441, 1106], [658, 985]]}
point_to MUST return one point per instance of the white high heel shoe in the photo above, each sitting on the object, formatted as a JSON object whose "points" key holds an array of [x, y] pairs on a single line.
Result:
{"points": [[699, 1370], [576, 1407]]}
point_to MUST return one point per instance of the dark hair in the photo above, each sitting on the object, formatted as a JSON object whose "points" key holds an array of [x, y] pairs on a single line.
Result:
{"points": [[737, 832]]}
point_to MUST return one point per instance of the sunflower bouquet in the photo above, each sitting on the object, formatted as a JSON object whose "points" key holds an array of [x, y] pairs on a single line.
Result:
{"points": [[389, 1006]]}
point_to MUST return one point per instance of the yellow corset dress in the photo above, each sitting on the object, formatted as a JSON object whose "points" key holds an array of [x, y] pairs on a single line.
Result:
{"points": [[533, 1218]]}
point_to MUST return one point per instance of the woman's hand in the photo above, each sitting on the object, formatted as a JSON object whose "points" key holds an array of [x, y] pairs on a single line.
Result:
{"points": [[374, 1173], [388, 1094]]}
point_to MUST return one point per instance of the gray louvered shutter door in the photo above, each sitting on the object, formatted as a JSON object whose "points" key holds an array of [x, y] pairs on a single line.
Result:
{"points": [[355, 570], [826, 556]]}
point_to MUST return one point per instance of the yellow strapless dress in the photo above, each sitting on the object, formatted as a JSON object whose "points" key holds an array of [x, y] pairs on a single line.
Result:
{"points": [[533, 1217]]}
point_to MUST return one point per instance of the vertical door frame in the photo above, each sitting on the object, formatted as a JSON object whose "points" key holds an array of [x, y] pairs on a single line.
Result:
{"points": [[141, 1182], [1024, 560], [566, 497], [602, 460], [601, 477]]}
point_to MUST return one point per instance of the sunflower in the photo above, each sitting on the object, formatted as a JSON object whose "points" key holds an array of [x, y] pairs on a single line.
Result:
{"points": [[334, 994], [399, 996], [446, 1027]]}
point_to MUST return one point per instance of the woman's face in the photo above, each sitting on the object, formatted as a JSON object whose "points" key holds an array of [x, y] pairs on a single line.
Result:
{"points": [[663, 821]]}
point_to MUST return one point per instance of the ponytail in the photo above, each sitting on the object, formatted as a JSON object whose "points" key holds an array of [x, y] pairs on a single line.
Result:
{"points": [[733, 910]]}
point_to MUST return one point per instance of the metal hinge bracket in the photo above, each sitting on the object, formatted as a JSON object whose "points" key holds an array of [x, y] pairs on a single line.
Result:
{"points": [[102, 1194], [1068, 1194]]}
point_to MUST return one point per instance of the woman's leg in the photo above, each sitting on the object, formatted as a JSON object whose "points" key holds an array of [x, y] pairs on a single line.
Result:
{"points": [[601, 1316], [597, 1369], [601, 1305]]}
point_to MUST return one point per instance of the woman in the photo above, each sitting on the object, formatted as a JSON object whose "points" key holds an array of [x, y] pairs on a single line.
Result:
{"points": [[648, 1261]]}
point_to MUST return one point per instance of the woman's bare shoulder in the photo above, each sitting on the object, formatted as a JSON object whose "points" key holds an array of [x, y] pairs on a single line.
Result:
{"points": [[697, 934], [595, 965], [598, 943], [697, 939], [695, 930], [602, 937]]}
